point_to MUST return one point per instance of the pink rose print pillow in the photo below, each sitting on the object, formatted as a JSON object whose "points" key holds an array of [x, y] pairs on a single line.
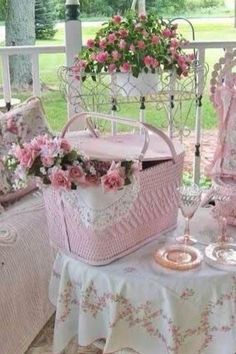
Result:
{"points": [[21, 124]]}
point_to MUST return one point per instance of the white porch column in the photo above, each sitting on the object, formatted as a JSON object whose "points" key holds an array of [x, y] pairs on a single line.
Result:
{"points": [[141, 6], [73, 41]]}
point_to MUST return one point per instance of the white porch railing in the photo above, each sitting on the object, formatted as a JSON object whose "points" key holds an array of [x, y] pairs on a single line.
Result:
{"points": [[34, 52]]}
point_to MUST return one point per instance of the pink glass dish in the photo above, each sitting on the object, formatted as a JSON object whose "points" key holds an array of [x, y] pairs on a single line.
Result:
{"points": [[178, 257]]}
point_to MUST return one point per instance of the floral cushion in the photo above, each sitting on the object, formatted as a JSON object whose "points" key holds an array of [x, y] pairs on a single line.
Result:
{"points": [[20, 124], [23, 123]]}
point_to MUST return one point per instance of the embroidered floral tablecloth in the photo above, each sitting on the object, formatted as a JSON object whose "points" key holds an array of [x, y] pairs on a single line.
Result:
{"points": [[134, 303]]}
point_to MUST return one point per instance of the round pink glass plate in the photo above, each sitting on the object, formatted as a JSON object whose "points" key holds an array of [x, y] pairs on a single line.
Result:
{"points": [[178, 257], [221, 255]]}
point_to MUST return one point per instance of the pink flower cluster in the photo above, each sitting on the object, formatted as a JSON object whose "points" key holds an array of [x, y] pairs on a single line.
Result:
{"points": [[45, 148], [134, 44], [55, 162]]}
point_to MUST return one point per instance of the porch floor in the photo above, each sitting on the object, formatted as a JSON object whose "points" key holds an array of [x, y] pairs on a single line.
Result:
{"points": [[207, 149]]}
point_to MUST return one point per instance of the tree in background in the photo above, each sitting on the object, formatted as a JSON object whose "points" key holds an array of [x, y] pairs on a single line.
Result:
{"points": [[60, 9], [20, 30], [45, 17], [2, 9]]}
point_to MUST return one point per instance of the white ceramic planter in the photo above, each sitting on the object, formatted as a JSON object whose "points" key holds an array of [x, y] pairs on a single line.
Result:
{"points": [[145, 84]]}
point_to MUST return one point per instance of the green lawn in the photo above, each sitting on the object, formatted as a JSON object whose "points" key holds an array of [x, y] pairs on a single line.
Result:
{"points": [[49, 64]]}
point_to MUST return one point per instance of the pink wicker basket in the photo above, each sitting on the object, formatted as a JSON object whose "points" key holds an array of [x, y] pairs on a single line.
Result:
{"points": [[98, 227]]}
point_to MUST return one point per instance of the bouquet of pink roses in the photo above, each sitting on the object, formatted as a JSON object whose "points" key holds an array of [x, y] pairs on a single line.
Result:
{"points": [[54, 162], [135, 43]]}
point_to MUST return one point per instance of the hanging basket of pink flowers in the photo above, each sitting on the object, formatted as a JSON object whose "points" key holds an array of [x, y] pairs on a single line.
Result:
{"points": [[134, 44]]}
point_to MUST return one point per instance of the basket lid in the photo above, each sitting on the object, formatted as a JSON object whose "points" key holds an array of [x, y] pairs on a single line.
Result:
{"points": [[122, 147]]}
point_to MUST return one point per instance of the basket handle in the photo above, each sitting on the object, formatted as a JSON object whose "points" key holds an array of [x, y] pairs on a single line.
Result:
{"points": [[146, 127], [164, 137], [130, 122]]}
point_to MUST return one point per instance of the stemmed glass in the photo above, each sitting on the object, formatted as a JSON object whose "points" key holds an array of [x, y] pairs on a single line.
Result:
{"points": [[222, 254], [189, 201], [222, 196]]}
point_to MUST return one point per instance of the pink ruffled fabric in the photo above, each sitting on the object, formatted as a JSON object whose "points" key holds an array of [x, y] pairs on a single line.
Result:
{"points": [[224, 160]]}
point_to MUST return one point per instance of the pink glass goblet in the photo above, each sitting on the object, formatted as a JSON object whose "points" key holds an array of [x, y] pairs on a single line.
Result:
{"points": [[189, 201], [222, 196]]}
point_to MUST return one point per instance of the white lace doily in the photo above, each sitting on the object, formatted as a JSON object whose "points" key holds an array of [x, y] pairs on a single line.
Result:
{"points": [[98, 209]]}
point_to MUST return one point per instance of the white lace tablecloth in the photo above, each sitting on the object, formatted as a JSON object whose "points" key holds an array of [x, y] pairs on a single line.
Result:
{"points": [[134, 303]]}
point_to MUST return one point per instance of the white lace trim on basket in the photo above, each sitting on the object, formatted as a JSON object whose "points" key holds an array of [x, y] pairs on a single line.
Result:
{"points": [[98, 209]]}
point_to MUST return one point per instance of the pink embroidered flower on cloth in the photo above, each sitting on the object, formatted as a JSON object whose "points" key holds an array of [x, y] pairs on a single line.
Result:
{"points": [[12, 125]]}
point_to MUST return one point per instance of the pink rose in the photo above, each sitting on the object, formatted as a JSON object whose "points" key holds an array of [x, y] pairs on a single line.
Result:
{"points": [[39, 142], [132, 48], [144, 33], [155, 64], [47, 161], [79, 66], [117, 19], [111, 68], [65, 145], [60, 178], [92, 56], [181, 59], [122, 44], [102, 57], [151, 62], [52, 148], [16, 151], [174, 43], [91, 180], [155, 39], [148, 60], [125, 68], [103, 43], [76, 174], [112, 181], [123, 33], [172, 52], [111, 38], [90, 43], [141, 45], [12, 125], [26, 156], [115, 55], [167, 32]]}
